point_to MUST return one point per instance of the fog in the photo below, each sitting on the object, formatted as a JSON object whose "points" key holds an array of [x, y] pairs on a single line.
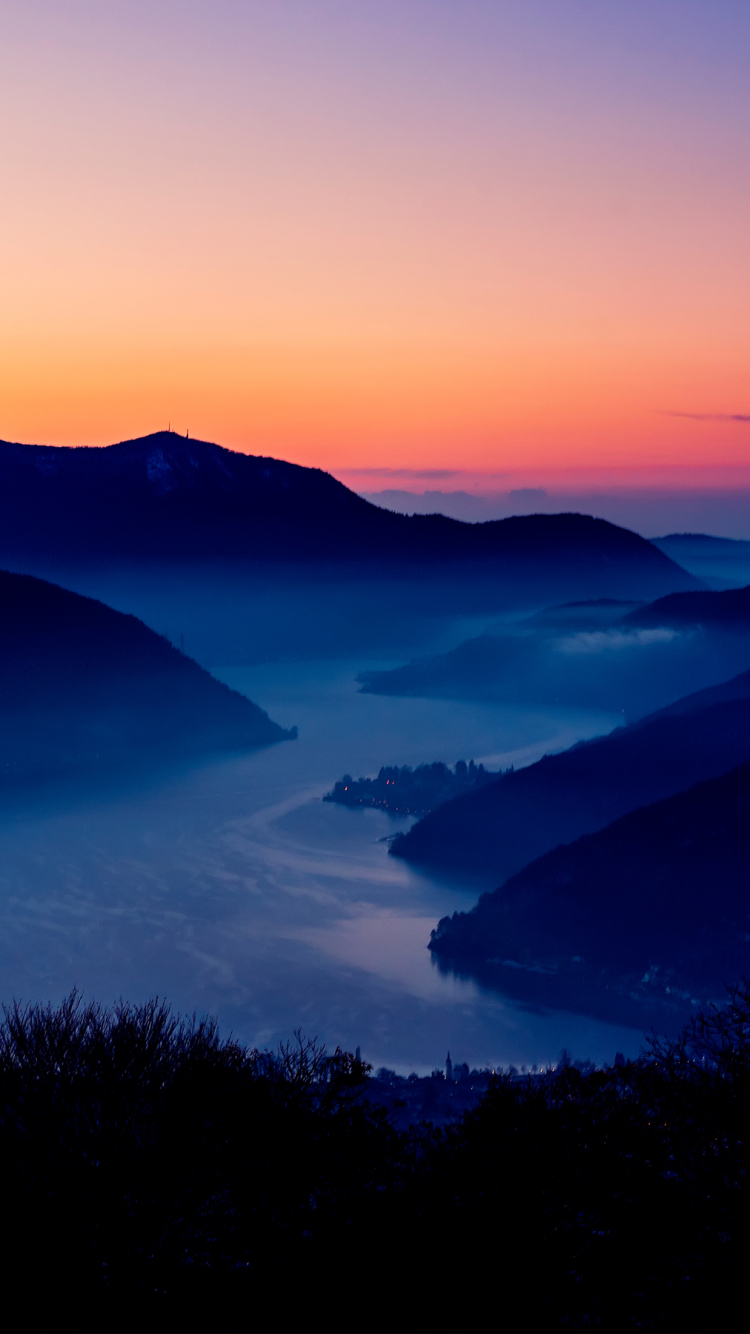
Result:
{"points": [[228, 886], [243, 613], [592, 656], [231, 887]]}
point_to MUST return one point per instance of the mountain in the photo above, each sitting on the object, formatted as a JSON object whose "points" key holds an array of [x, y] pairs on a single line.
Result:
{"points": [[505, 825], [166, 497], [82, 685], [737, 688], [651, 914], [723, 562], [604, 653], [254, 559], [728, 609]]}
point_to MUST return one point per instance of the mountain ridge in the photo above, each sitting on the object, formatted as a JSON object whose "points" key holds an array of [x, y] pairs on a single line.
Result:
{"points": [[726, 608], [165, 496], [649, 914], [507, 824], [83, 685], [602, 653]]}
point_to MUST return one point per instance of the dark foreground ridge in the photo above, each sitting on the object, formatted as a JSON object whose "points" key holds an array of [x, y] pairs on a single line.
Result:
{"points": [[524, 814], [648, 917], [171, 498], [159, 1177], [84, 687], [407, 791]]}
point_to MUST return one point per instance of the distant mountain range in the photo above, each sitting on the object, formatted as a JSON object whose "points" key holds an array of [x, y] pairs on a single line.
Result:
{"points": [[83, 686], [166, 497], [648, 917], [724, 562], [503, 826]]}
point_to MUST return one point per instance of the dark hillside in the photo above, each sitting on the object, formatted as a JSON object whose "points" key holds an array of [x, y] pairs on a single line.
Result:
{"points": [[653, 910], [166, 497], [728, 609], [174, 1180], [737, 688], [601, 653], [723, 562], [505, 825], [81, 684]]}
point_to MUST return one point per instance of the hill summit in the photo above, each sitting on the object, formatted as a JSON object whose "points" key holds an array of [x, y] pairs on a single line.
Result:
{"points": [[165, 496]]}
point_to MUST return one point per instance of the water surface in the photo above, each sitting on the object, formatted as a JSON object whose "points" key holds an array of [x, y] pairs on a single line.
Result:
{"points": [[230, 887]]}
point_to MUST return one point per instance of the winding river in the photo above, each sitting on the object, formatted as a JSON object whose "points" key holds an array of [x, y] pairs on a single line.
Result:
{"points": [[230, 887]]}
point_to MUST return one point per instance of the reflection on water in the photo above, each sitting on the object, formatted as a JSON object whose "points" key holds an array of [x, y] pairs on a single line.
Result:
{"points": [[231, 887]]}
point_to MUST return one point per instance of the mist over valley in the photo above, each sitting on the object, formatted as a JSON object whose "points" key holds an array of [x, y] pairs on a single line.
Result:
{"points": [[375, 667], [176, 840]]}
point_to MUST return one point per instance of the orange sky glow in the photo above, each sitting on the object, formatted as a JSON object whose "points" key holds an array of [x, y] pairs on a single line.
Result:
{"points": [[490, 238]]}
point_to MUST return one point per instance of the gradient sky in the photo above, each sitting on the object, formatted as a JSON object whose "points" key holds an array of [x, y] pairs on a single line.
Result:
{"points": [[487, 235]]}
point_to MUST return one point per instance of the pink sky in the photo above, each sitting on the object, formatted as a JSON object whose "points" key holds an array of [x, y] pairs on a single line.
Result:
{"points": [[501, 238]]}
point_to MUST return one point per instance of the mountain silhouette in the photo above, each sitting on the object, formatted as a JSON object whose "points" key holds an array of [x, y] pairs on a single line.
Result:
{"points": [[603, 653], [726, 691], [650, 915], [163, 496], [724, 562], [728, 609], [82, 685], [501, 827]]}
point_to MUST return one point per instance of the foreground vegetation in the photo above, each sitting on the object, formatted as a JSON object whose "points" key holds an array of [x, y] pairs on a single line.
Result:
{"points": [[157, 1177]]}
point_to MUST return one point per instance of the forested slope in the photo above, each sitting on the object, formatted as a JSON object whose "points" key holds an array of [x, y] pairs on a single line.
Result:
{"points": [[84, 686], [650, 915], [506, 824]]}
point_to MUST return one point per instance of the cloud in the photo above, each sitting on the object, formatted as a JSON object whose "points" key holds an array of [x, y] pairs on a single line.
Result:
{"points": [[433, 473], [711, 416], [600, 641]]}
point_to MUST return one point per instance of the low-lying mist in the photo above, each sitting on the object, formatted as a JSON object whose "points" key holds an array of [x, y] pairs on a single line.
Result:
{"points": [[575, 656]]}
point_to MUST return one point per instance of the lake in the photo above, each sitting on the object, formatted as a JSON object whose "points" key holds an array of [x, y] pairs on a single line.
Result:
{"points": [[230, 887]]}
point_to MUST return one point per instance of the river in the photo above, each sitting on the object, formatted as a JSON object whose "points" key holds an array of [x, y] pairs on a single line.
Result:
{"points": [[229, 887]]}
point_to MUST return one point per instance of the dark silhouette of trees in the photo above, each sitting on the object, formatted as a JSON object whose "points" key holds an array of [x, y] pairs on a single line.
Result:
{"points": [[408, 791], [158, 1177]]}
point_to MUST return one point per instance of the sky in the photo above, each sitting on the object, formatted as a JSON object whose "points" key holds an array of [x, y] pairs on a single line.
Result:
{"points": [[399, 239]]}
